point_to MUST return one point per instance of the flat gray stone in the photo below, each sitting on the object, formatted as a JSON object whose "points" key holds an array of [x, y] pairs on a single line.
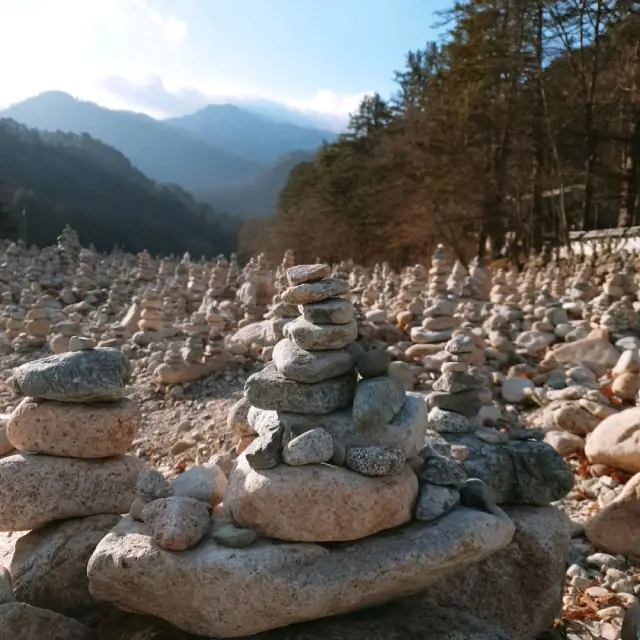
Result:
{"points": [[377, 401], [319, 337], [331, 311], [302, 273], [265, 452], [406, 431], [284, 583], [466, 403], [374, 363], [300, 365], [424, 336], [520, 472], [177, 523], [443, 471], [435, 500], [20, 621], [268, 389], [458, 381], [49, 565], [311, 447], [36, 490], [444, 421], [78, 376], [315, 291]]}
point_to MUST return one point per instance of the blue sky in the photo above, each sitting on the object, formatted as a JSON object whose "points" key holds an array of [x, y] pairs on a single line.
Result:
{"points": [[168, 57]]}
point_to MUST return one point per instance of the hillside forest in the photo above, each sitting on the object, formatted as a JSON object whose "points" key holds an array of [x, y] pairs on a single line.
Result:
{"points": [[521, 125], [48, 180]]}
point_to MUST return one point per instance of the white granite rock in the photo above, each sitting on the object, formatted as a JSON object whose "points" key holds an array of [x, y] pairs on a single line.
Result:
{"points": [[285, 583]]}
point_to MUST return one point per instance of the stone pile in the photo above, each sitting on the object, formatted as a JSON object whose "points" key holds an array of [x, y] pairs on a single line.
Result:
{"points": [[334, 459], [66, 483]]}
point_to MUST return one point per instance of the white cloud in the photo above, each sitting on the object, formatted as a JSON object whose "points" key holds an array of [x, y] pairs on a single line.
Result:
{"points": [[68, 44], [328, 102], [123, 54]]}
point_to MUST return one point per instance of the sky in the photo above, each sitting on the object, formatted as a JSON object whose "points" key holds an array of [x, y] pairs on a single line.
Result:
{"points": [[171, 57]]}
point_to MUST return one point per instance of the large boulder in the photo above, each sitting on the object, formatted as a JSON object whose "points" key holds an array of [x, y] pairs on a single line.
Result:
{"points": [[36, 490], [616, 527], [285, 583], [520, 472], [93, 430], [518, 589], [20, 621], [393, 622], [616, 441], [78, 376], [596, 354], [318, 503], [48, 566]]}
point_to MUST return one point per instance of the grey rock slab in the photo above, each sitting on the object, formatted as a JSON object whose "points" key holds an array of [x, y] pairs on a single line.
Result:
{"points": [[315, 291], [435, 500], [311, 447], [152, 485], [397, 621], [79, 376], [319, 337], [268, 389], [331, 311], [19, 621], [441, 470], [458, 381], [406, 431], [374, 363], [377, 401], [265, 452], [460, 344], [519, 589], [233, 537], [374, 461], [285, 583], [444, 421], [520, 472], [466, 403], [424, 336], [310, 367], [302, 273], [177, 523], [6, 586], [49, 565], [36, 490]]}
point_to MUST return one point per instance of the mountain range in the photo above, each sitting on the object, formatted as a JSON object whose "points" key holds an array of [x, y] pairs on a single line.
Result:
{"points": [[50, 179], [236, 159]]}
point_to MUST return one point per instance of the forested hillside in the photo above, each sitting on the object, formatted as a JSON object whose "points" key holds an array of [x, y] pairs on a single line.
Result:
{"points": [[63, 178], [524, 123]]}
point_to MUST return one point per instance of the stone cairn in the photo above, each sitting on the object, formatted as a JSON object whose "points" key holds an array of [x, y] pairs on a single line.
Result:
{"points": [[76, 418]]}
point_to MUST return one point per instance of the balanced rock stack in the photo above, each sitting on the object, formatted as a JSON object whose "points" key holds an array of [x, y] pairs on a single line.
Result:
{"points": [[309, 408], [76, 416]]}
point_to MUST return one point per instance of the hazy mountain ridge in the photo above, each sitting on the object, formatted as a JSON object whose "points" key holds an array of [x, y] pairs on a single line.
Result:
{"points": [[258, 199], [60, 178], [250, 135], [221, 148]]}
